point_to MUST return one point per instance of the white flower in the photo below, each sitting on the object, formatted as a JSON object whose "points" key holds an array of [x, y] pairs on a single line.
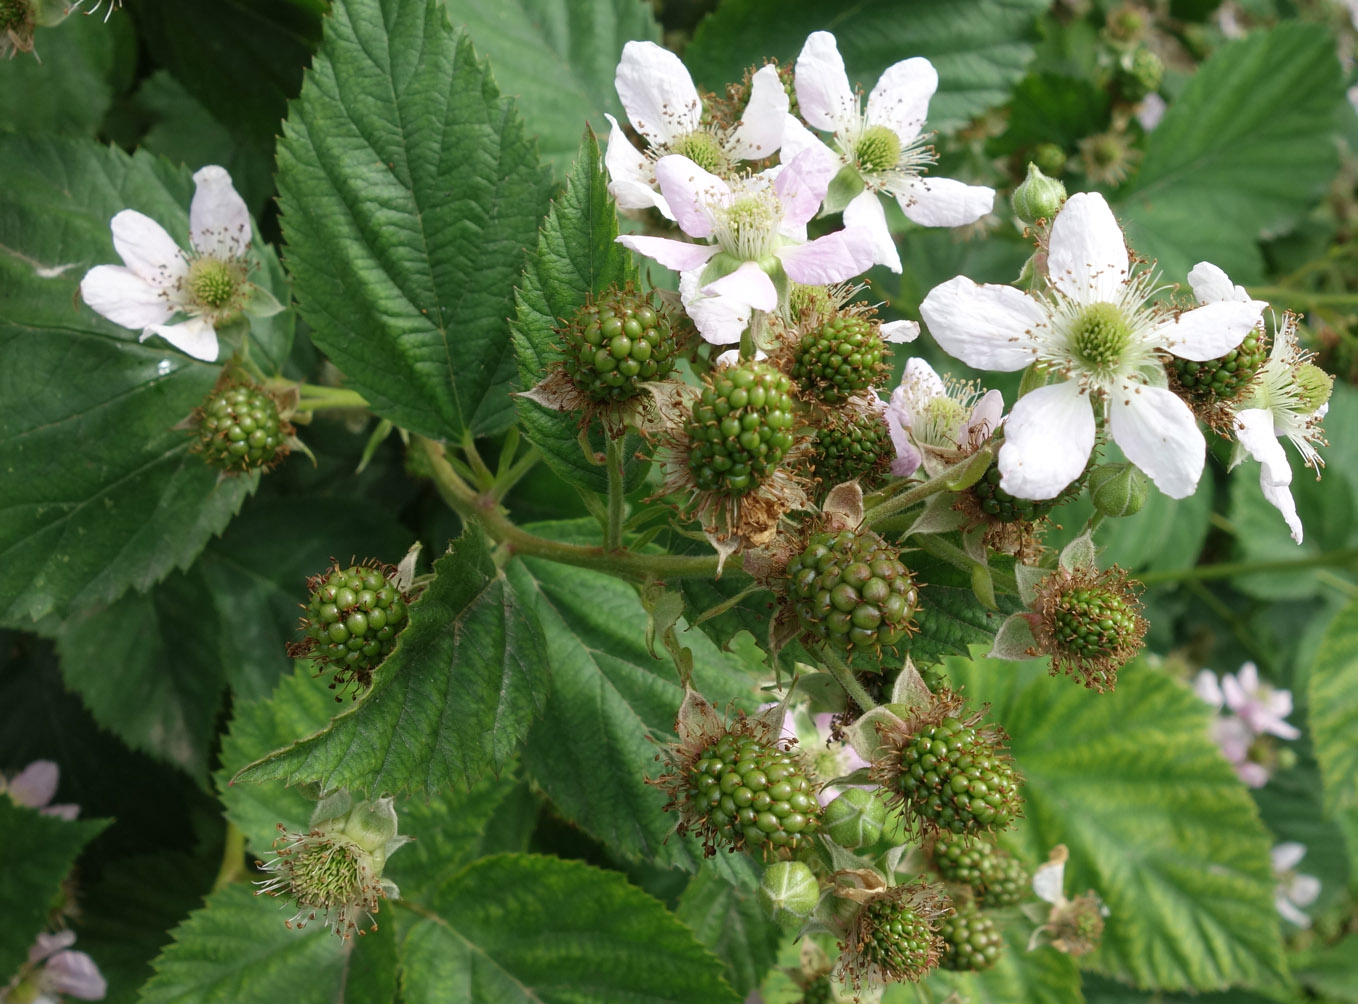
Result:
{"points": [[884, 144], [937, 419], [756, 227], [663, 105], [1293, 890], [54, 970], [159, 281], [1288, 399], [1094, 329]]}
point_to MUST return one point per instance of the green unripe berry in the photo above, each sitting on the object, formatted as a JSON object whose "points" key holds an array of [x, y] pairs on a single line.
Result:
{"points": [[896, 939], [616, 343], [1049, 158], [741, 427], [852, 447], [878, 149], [1038, 197], [840, 358], [1093, 622], [352, 619], [239, 429], [997, 503], [996, 878], [971, 939], [1139, 73], [788, 891], [752, 794], [956, 778], [1226, 377]]}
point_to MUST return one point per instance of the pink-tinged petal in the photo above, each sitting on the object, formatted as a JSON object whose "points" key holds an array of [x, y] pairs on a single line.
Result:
{"points": [[823, 94], [943, 202], [987, 413], [75, 974], [900, 101], [797, 138], [1233, 736], [720, 320], [35, 785], [865, 212], [1212, 285], [219, 222], [898, 420], [1210, 330], [1255, 775], [1087, 256], [1207, 688], [921, 382], [832, 258], [63, 810], [677, 255], [802, 183], [1287, 855], [195, 337], [1248, 675], [989, 327], [1158, 434], [147, 249], [47, 945], [900, 332], [691, 192], [760, 132], [124, 297], [748, 284], [1047, 441], [1236, 698], [657, 93]]}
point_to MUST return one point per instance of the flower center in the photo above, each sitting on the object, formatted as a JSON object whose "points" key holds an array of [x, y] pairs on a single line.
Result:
{"points": [[878, 149], [703, 149], [327, 873], [1100, 336], [1314, 385], [213, 283], [747, 227], [941, 419]]}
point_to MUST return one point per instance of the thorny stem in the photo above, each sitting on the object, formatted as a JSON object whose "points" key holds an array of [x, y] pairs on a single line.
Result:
{"points": [[616, 509], [233, 858], [845, 678]]}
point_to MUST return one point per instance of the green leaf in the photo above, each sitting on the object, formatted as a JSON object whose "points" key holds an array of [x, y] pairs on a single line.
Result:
{"points": [[1049, 108], [41, 850], [979, 47], [519, 927], [581, 40], [136, 505], [453, 700], [1044, 976], [734, 927], [1156, 822], [406, 207], [1244, 151], [576, 257], [609, 700], [1333, 700], [949, 618]]}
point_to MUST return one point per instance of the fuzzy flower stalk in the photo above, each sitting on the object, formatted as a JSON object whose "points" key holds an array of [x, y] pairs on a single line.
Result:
{"points": [[1095, 330], [334, 870]]}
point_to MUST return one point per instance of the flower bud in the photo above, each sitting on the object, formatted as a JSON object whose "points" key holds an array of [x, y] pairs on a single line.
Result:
{"points": [[788, 891], [1038, 198], [855, 818], [1117, 489]]}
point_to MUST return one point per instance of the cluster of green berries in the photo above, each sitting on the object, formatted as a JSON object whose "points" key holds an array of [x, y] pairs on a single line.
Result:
{"points": [[351, 622], [1094, 622], [957, 778], [1139, 72], [997, 503], [896, 939], [752, 793], [997, 878], [239, 429], [850, 588], [853, 448], [1226, 377], [616, 343], [971, 940], [740, 429], [840, 358]]}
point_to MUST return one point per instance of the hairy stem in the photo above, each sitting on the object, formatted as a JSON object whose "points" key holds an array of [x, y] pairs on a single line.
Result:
{"points": [[845, 678], [616, 509]]}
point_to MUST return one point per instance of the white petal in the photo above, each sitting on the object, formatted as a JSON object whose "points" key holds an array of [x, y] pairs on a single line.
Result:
{"points": [[900, 101], [124, 297], [989, 327], [1303, 890], [76, 975], [1049, 881], [921, 382], [678, 255], [1087, 256], [147, 249], [691, 192], [1287, 855], [1206, 686], [720, 320], [1158, 434], [1212, 285], [49, 944], [987, 412], [195, 337], [1285, 908], [832, 258], [760, 132], [729, 358], [797, 137], [35, 785], [823, 93], [1280, 497], [802, 183], [1047, 441], [632, 176], [1254, 431], [865, 212], [657, 93], [900, 332], [1210, 330], [748, 284], [219, 222], [943, 202]]}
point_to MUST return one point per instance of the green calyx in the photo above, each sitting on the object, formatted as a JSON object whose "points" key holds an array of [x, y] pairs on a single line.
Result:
{"points": [[616, 343], [1315, 386], [971, 940], [1094, 622], [740, 428], [239, 429], [1226, 377], [1100, 336], [851, 590], [878, 149], [1038, 198], [215, 285], [840, 358], [957, 778], [352, 619], [897, 940], [752, 793], [703, 149]]}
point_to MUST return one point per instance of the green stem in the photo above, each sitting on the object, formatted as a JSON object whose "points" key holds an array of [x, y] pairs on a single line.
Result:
{"points": [[617, 510], [954, 555], [485, 478], [317, 397], [233, 858], [845, 678], [509, 478], [1201, 573], [1284, 294], [483, 508]]}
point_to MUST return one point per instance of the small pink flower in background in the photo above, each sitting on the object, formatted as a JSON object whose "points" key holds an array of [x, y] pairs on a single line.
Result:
{"points": [[1249, 710], [35, 786], [1261, 707], [54, 970], [829, 758], [1294, 890]]}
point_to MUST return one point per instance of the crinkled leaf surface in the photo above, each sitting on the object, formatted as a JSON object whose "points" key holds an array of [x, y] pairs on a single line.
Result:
{"points": [[452, 701], [576, 257], [1155, 820], [1246, 147], [949, 618], [729, 920], [70, 79], [1334, 709], [557, 59], [979, 47], [527, 928], [100, 493], [409, 190]]}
